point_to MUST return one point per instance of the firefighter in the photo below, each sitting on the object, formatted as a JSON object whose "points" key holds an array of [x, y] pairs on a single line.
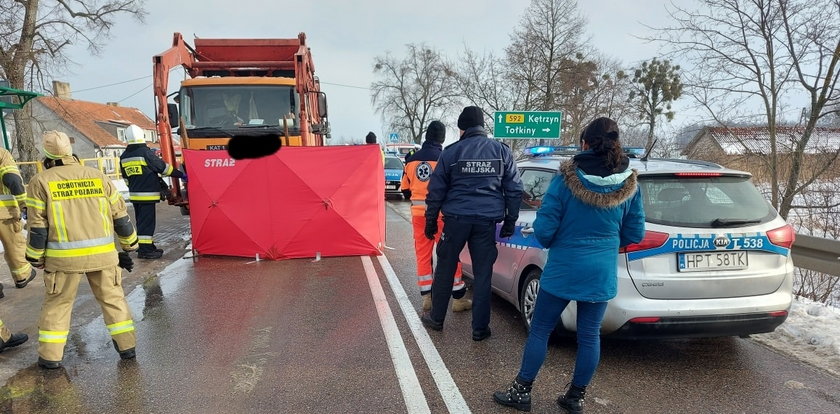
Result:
{"points": [[418, 170], [475, 184], [73, 212], [140, 166], [12, 208]]}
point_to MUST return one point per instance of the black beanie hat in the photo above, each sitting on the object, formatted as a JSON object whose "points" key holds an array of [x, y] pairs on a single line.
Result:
{"points": [[605, 128], [370, 138], [436, 132], [470, 117]]}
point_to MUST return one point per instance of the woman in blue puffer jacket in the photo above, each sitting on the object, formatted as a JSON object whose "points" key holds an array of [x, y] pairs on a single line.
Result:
{"points": [[592, 207]]}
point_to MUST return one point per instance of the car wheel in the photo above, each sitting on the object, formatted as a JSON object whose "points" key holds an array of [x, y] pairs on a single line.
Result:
{"points": [[528, 296]]}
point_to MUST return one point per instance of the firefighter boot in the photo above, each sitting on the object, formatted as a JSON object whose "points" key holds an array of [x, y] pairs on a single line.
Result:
{"points": [[43, 363], [572, 401], [20, 284], [427, 302], [149, 254], [14, 340], [129, 353], [461, 304], [155, 248], [518, 396]]}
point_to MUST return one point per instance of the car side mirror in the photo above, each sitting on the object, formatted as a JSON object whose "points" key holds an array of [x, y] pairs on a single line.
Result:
{"points": [[174, 118], [322, 104]]}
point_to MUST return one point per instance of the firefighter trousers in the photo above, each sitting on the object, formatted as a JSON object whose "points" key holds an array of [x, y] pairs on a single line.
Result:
{"points": [[54, 324], [144, 214], [423, 249], [14, 246], [5, 333]]}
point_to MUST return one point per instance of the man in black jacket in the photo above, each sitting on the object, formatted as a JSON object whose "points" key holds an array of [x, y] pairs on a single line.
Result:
{"points": [[475, 184], [140, 166]]}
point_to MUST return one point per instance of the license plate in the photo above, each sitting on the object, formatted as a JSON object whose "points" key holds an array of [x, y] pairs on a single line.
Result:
{"points": [[390, 187], [701, 261]]}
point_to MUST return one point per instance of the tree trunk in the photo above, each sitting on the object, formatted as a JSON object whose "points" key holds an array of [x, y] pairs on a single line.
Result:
{"points": [[25, 142]]}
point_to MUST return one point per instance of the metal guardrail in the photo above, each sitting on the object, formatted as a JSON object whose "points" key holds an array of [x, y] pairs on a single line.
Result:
{"points": [[816, 253]]}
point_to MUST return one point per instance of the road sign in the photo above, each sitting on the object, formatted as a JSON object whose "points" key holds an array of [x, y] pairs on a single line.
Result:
{"points": [[394, 137], [527, 124]]}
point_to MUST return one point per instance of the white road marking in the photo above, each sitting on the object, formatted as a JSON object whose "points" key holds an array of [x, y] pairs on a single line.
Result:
{"points": [[415, 401], [446, 385]]}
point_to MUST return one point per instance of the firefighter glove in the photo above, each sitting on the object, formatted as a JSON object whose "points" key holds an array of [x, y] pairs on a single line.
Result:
{"points": [[36, 263], [125, 261], [431, 229], [507, 229]]}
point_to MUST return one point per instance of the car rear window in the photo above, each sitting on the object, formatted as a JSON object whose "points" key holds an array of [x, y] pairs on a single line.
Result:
{"points": [[725, 201]]}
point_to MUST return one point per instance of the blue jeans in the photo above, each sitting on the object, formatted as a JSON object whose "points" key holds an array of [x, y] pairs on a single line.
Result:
{"points": [[546, 316]]}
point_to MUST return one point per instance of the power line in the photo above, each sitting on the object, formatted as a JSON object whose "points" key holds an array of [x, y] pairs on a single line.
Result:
{"points": [[346, 86], [112, 84], [135, 93]]}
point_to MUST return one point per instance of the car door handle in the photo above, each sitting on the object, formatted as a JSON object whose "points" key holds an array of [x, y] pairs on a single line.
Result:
{"points": [[526, 231]]}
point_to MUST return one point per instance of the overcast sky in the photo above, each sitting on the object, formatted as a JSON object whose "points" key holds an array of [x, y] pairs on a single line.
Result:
{"points": [[344, 36]]}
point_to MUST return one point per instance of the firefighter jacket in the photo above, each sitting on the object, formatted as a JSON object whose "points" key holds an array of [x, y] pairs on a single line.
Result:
{"points": [[140, 166], [13, 193], [418, 170], [475, 179], [73, 213]]}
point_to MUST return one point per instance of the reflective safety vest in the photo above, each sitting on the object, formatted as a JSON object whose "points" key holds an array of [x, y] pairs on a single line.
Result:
{"points": [[73, 212], [12, 191], [140, 167]]}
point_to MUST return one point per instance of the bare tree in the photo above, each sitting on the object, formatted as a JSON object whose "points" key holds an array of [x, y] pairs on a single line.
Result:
{"points": [[413, 91], [745, 52], [34, 36], [656, 84], [542, 48]]}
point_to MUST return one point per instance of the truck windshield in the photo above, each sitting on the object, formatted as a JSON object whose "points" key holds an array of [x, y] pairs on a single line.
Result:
{"points": [[240, 106]]}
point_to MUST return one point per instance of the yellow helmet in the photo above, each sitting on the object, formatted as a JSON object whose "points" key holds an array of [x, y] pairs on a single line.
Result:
{"points": [[57, 145], [135, 135]]}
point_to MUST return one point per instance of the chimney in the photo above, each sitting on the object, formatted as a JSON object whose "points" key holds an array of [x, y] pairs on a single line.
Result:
{"points": [[112, 103], [62, 90]]}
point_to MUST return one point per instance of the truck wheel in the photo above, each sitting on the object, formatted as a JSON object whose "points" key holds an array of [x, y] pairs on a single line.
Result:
{"points": [[185, 211]]}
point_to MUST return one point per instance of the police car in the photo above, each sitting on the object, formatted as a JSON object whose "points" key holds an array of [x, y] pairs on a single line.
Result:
{"points": [[715, 259], [393, 174]]}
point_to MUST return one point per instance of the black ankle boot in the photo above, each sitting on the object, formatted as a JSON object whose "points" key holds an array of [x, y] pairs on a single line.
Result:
{"points": [[517, 396], [572, 401]]}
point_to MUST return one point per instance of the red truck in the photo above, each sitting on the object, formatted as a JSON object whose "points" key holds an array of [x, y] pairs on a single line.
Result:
{"points": [[237, 87]]}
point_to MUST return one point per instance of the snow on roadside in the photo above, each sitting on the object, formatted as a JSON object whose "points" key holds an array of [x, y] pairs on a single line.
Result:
{"points": [[811, 334]]}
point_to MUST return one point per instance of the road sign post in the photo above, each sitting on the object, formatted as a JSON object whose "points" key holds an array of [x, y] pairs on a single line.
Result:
{"points": [[527, 125], [394, 137]]}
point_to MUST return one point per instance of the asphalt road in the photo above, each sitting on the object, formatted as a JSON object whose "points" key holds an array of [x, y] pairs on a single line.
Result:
{"points": [[223, 335]]}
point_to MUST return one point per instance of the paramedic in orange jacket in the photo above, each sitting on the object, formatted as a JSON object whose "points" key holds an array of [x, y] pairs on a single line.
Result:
{"points": [[418, 169], [74, 212]]}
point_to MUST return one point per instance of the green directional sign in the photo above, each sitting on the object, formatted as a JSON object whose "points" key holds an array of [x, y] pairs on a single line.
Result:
{"points": [[527, 124]]}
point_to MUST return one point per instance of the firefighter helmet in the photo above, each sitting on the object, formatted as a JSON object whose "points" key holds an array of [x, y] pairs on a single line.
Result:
{"points": [[135, 135], [57, 145]]}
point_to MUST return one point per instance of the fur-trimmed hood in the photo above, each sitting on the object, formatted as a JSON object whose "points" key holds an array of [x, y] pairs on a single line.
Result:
{"points": [[596, 194]]}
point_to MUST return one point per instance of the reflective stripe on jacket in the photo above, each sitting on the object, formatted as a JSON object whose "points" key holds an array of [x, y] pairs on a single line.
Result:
{"points": [[73, 213], [140, 167], [12, 191]]}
